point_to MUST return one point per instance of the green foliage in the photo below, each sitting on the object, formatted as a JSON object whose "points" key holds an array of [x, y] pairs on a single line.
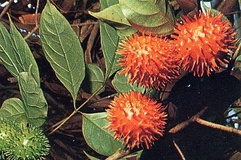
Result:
{"points": [[33, 98], [23, 54], [149, 16], [97, 136], [18, 59], [62, 49], [107, 3], [121, 84], [7, 54], [112, 15], [13, 108], [19, 141], [95, 78], [90, 157], [109, 43], [15, 53]]}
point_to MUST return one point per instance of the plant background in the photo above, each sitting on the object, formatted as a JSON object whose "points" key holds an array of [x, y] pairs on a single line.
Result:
{"points": [[68, 142]]}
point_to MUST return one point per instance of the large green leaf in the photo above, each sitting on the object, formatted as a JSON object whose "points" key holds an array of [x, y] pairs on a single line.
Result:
{"points": [[94, 77], [62, 49], [149, 7], [33, 98], [7, 55], [145, 20], [15, 52], [112, 14], [126, 31], [97, 136], [23, 54], [149, 16], [107, 3], [109, 43], [13, 108], [121, 84]]}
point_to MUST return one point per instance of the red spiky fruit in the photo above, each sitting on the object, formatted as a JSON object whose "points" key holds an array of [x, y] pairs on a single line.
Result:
{"points": [[137, 119], [148, 61], [204, 42]]}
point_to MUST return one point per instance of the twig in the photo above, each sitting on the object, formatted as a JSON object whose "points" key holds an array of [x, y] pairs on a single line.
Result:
{"points": [[217, 126], [182, 125], [83, 24], [120, 153], [36, 22], [5, 9], [60, 123], [178, 150]]}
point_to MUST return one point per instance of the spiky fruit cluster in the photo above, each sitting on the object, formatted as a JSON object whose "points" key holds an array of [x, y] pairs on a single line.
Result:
{"points": [[136, 118], [22, 142], [7, 134], [148, 60], [204, 43]]}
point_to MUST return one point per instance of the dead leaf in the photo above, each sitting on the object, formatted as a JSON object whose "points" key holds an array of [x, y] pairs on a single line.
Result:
{"points": [[29, 18]]}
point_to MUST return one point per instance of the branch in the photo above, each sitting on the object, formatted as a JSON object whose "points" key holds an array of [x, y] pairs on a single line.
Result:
{"points": [[179, 150], [217, 126], [184, 124], [120, 153], [196, 118], [36, 22], [62, 122], [5, 9]]}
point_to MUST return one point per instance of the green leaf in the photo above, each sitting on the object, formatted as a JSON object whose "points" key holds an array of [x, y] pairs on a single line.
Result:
{"points": [[15, 52], [33, 98], [149, 16], [95, 78], [7, 55], [13, 108], [90, 157], [145, 20], [109, 43], [107, 3], [62, 49], [112, 15], [124, 32], [96, 136], [23, 54], [143, 7], [121, 84]]}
